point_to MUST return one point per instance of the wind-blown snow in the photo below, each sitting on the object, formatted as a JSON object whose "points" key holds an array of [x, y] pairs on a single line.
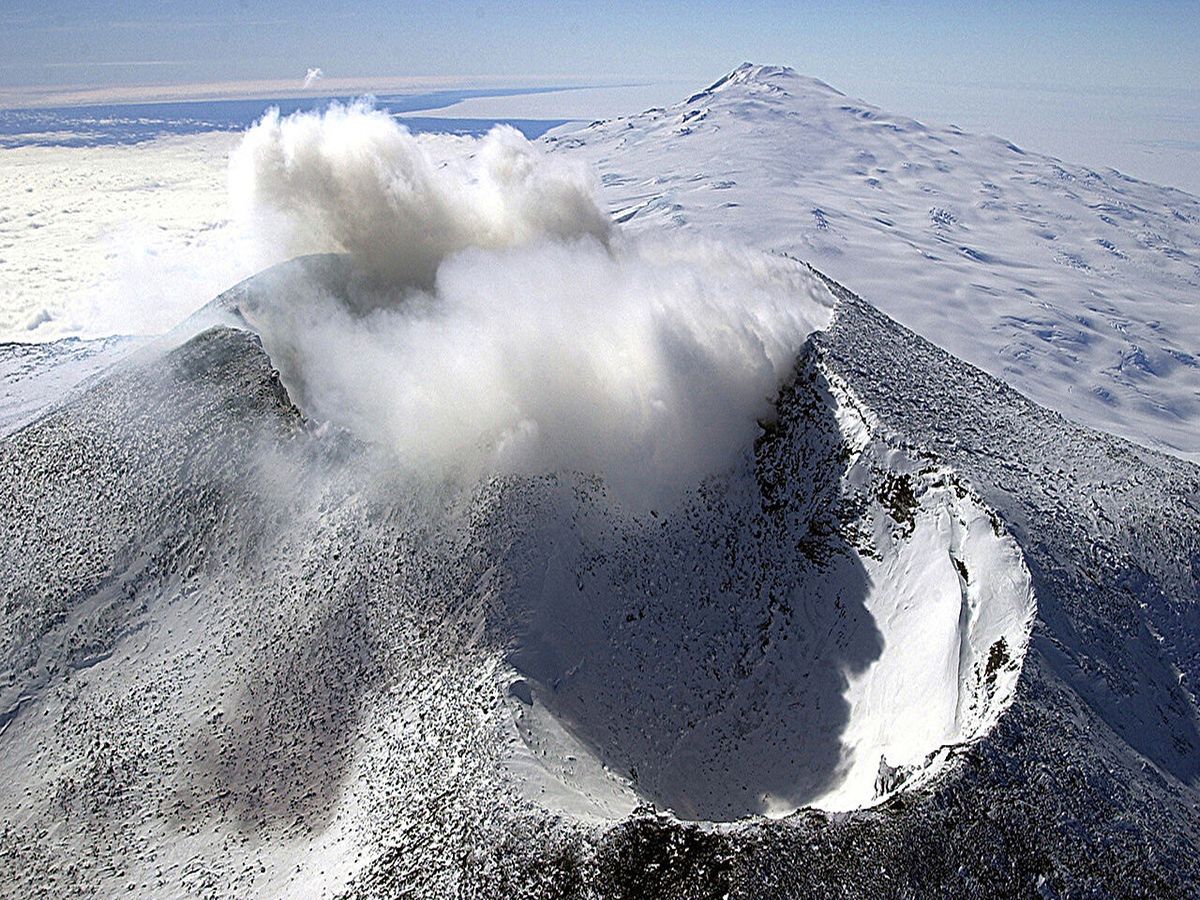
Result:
{"points": [[1079, 288]]}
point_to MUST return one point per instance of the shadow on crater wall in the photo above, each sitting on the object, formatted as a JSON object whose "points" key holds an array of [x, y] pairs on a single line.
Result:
{"points": [[704, 654]]}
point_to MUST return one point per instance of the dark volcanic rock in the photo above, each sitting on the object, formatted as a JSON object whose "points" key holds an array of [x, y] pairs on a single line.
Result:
{"points": [[237, 650]]}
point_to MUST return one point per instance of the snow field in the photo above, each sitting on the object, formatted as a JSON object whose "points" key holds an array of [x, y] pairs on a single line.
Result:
{"points": [[1077, 287]]}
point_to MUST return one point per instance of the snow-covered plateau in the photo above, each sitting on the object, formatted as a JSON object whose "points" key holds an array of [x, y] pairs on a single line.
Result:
{"points": [[880, 625]]}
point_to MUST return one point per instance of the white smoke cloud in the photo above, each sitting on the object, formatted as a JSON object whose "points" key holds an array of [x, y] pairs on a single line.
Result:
{"points": [[312, 77], [508, 326], [352, 179]]}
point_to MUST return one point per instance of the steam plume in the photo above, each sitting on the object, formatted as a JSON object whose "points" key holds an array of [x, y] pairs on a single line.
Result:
{"points": [[509, 327]]}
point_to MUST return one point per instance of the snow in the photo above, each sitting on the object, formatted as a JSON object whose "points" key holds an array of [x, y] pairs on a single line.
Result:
{"points": [[1078, 288], [34, 377], [113, 239], [1151, 133], [933, 689]]}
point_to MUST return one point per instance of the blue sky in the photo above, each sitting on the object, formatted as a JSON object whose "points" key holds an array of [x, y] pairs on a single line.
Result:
{"points": [[87, 42]]}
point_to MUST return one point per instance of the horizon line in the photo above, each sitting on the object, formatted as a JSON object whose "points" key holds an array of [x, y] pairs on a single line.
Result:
{"points": [[53, 96]]}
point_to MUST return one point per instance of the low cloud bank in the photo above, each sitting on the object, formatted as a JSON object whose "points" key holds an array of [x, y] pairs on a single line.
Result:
{"points": [[506, 326]]}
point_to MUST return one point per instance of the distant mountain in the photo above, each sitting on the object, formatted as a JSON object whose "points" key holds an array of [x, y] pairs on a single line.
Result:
{"points": [[923, 637], [1079, 288]]}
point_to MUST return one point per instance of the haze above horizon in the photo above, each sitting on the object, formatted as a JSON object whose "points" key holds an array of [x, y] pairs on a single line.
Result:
{"points": [[74, 42], [1105, 84]]}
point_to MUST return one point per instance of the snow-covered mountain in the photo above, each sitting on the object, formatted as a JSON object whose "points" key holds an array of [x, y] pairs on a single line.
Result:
{"points": [[1079, 288], [920, 636], [244, 658]]}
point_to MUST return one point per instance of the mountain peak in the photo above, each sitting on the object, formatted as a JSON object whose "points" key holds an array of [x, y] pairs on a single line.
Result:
{"points": [[749, 71], [777, 78]]}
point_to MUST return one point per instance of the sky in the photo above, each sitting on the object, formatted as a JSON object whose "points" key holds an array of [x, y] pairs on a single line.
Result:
{"points": [[1148, 44], [1101, 83]]}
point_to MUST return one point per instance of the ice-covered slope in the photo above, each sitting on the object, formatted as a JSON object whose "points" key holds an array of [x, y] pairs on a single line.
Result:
{"points": [[1079, 288]]}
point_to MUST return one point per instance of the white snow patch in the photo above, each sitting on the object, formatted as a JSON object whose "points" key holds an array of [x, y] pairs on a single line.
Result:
{"points": [[952, 645]]}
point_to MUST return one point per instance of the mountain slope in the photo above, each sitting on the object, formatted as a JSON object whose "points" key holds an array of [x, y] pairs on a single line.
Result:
{"points": [[237, 642], [32, 376], [1077, 287]]}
